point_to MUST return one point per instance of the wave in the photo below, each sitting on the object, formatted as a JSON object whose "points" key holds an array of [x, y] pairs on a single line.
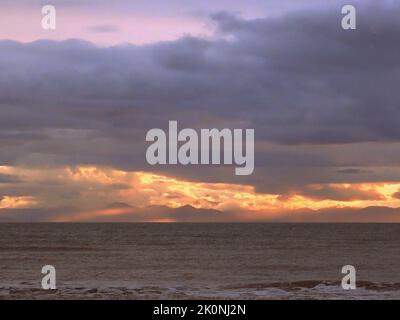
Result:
{"points": [[307, 289], [309, 284]]}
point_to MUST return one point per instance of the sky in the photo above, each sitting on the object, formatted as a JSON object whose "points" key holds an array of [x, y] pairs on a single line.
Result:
{"points": [[76, 103]]}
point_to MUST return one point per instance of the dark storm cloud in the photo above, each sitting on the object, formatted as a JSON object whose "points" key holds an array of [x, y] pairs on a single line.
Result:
{"points": [[298, 79]]}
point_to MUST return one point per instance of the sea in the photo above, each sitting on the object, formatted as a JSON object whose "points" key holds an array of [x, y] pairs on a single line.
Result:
{"points": [[199, 260]]}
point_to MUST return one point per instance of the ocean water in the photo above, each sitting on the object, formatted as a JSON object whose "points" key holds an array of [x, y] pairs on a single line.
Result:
{"points": [[199, 261]]}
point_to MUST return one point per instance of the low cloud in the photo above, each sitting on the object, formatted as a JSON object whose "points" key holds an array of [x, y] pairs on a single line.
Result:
{"points": [[337, 193]]}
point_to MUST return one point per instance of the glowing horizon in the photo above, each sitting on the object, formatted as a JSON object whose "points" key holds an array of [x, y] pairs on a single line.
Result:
{"points": [[144, 189]]}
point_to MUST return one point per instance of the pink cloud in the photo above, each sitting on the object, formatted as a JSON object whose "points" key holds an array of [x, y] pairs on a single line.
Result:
{"points": [[137, 28]]}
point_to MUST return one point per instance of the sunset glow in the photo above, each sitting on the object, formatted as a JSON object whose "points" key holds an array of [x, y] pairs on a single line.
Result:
{"points": [[142, 189]]}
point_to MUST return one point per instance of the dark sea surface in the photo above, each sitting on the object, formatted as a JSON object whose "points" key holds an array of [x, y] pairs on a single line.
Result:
{"points": [[199, 261]]}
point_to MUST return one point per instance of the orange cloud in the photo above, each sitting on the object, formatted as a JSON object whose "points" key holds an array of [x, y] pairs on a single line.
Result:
{"points": [[96, 187], [8, 202], [155, 189]]}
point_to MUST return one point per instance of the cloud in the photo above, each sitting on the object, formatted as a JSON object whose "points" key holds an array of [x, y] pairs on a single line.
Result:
{"points": [[338, 193], [9, 178], [98, 192], [275, 69], [308, 88], [7, 202], [396, 195]]}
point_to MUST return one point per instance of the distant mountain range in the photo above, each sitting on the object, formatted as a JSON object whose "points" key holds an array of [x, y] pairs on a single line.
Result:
{"points": [[122, 212], [185, 213]]}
